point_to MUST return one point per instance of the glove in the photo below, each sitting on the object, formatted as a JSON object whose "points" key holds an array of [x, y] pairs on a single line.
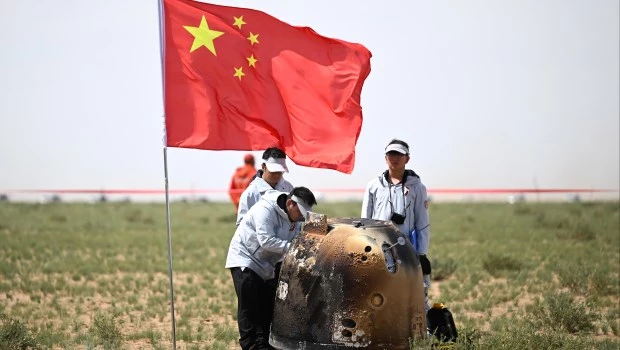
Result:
{"points": [[426, 264]]}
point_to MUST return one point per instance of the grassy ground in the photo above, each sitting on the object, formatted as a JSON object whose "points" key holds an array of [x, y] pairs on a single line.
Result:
{"points": [[82, 276]]}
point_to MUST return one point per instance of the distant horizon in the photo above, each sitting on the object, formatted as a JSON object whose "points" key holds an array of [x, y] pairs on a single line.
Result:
{"points": [[448, 190], [221, 196]]}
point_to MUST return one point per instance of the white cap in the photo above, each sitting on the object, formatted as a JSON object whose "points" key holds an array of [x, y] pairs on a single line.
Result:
{"points": [[397, 147], [276, 165], [304, 208]]}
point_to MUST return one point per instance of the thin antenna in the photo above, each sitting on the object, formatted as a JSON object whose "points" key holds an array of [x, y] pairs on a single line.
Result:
{"points": [[400, 240]]}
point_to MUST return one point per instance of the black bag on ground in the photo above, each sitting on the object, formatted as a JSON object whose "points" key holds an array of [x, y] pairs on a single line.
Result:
{"points": [[440, 323]]}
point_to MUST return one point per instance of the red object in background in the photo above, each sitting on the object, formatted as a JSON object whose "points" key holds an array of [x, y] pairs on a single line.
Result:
{"points": [[240, 79], [241, 179], [239, 182]]}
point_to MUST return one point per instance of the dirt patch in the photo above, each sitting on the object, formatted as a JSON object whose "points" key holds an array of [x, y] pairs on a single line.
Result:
{"points": [[137, 301]]}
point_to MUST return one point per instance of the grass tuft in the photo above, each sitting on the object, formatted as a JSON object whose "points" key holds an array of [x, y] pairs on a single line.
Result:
{"points": [[106, 332], [443, 268], [497, 265], [574, 275], [14, 335], [561, 313]]}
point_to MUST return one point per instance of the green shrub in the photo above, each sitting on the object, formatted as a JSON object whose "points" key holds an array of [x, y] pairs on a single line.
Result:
{"points": [[496, 265], [522, 336], [443, 268], [14, 335], [613, 317], [577, 232], [574, 275], [47, 337], [106, 332], [559, 312], [602, 283], [522, 209], [58, 218]]}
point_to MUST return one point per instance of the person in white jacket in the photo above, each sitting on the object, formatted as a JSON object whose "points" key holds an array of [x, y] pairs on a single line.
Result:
{"points": [[269, 177], [260, 241], [399, 195]]}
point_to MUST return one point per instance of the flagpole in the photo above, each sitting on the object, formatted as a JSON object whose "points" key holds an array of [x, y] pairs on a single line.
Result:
{"points": [[162, 45], [174, 337]]}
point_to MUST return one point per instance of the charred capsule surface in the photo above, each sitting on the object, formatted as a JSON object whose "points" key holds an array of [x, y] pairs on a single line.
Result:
{"points": [[349, 282]]}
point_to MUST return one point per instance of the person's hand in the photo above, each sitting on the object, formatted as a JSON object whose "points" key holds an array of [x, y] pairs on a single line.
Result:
{"points": [[426, 264]]}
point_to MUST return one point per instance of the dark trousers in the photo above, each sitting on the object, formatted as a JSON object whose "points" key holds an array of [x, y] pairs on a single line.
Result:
{"points": [[255, 300]]}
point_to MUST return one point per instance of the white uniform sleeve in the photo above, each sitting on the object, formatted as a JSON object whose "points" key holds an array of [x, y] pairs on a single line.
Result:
{"points": [[368, 203], [266, 228], [422, 224], [248, 198]]}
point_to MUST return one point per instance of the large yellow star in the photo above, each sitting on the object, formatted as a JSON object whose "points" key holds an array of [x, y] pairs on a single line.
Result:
{"points": [[251, 61], [203, 36], [239, 72], [253, 38], [238, 21]]}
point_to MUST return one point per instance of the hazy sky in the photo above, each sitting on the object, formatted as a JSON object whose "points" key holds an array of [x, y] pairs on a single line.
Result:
{"points": [[488, 93]]}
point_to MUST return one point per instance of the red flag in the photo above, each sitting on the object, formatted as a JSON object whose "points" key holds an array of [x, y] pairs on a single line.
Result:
{"points": [[240, 79]]}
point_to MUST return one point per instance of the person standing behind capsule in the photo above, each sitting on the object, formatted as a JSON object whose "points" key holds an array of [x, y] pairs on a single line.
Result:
{"points": [[269, 177], [399, 195], [241, 179]]}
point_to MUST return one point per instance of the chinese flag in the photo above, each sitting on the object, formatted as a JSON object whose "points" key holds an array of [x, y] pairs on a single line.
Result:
{"points": [[239, 79]]}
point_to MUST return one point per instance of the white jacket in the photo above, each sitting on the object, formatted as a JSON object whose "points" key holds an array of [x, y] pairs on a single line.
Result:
{"points": [[255, 190], [262, 238], [382, 199]]}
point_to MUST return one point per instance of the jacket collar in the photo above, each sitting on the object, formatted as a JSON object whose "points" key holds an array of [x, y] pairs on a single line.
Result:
{"points": [[386, 177]]}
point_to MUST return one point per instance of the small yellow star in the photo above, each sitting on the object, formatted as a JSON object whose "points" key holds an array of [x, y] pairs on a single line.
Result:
{"points": [[239, 73], [203, 36], [251, 61], [253, 38], [239, 21]]}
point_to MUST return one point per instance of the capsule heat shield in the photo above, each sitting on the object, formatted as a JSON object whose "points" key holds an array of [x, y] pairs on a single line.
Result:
{"points": [[347, 282]]}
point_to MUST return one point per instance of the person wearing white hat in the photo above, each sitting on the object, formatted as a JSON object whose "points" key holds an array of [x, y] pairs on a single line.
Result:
{"points": [[269, 177], [258, 245], [399, 196]]}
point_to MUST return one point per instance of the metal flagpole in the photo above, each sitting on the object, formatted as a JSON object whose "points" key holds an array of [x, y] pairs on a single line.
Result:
{"points": [[162, 44], [174, 337]]}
